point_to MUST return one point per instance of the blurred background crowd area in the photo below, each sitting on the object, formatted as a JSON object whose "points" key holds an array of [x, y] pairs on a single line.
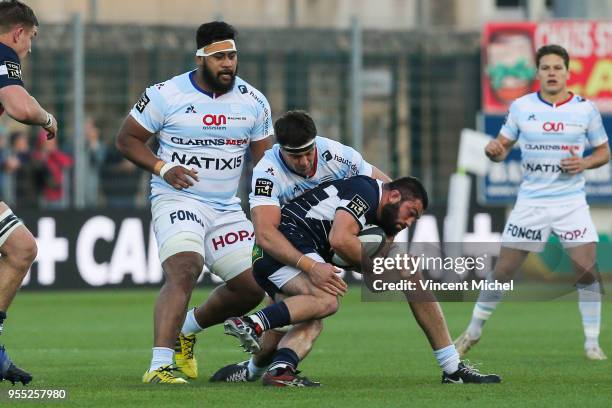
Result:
{"points": [[419, 81]]}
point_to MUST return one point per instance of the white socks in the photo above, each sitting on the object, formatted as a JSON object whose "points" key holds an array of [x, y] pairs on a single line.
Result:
{"points": [[161, 357], [190, 325], [589, 303]]}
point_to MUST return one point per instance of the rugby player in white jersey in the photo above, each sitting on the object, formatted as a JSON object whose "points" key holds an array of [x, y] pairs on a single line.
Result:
{"points": [[553, 127], [298, 163], [204, 121], [18, 28]]}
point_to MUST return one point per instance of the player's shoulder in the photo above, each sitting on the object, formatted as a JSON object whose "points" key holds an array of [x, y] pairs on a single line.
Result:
{"points": [[582, 103], [361, 183], [8, 54], [248, 93], [268, 161], [526, 101], [172, 88]]}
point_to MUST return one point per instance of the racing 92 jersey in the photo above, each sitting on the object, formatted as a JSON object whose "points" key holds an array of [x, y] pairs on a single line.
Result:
{"points": [[205, 131], [546, 134]]}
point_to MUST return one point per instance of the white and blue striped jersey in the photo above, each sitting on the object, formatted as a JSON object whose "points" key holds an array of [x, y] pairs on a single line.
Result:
{"points": [[274, 183], [546, 133], [205, 131]]}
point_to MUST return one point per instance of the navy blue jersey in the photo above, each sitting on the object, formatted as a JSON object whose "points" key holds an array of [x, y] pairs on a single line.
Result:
{"points": [[10, 69], [307, 220]]}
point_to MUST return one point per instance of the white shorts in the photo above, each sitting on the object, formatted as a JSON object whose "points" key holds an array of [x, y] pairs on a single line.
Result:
{"points": [[529, 227], [286, 273], [223, 238]]}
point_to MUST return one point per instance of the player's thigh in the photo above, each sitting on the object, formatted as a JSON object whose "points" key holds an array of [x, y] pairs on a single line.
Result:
{"points": [[527, 228], [228, 244], [573, 225], [508, 263], [179, 229], [15, 238]]}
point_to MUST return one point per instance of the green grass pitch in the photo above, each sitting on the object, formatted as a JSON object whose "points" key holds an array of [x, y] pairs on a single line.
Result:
{"points": [[96, 345]]}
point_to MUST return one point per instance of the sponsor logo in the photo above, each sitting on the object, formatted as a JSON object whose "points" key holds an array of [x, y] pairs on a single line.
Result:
{"points": [[523, 232], [209, 142], [13, 69], [572, 235], [548, 147], [358, 206], [263, 187], [270, 171], [296, 189], [208, 163], [347, 162], [231, 238], [184, 215], [553, 126], [544, 168], [243, 89], [214, 120], [142, 102], [190, 109], [327, 155], [160, 85], [532, 117]]}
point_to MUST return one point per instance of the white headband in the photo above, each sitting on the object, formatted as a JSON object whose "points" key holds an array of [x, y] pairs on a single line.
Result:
{"points": [[213, 48]]}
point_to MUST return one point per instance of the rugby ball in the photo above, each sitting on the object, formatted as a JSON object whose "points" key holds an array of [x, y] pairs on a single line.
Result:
{"points": [[372, 238]]}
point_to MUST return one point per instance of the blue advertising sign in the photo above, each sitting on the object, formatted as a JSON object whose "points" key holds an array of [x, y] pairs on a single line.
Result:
{"points": [[501, 184]]}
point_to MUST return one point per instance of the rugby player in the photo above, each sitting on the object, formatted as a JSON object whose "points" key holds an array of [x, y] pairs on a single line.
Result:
{"points": [[205, 121], [325, 219], [18, 28], [552, 127]]}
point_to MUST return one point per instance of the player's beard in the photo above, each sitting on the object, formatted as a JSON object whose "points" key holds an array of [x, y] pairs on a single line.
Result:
{"points": [[213, 82], [388, 219]]}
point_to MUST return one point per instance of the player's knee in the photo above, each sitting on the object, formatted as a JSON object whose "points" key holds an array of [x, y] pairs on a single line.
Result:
{"points": [[329, 305], [24, 255], [183, 269]]}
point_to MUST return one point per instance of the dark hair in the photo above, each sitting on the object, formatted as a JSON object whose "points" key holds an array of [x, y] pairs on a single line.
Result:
{"points": [[410, 188], [13, 12], [214, 31], [294, 128], [552, 49]]}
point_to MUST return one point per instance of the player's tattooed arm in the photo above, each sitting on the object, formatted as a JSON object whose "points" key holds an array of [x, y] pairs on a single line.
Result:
{"points": [[497, 149]]}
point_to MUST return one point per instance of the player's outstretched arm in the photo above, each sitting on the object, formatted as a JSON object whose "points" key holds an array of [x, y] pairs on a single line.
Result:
{"points": [[24, 108], [497, 149]]}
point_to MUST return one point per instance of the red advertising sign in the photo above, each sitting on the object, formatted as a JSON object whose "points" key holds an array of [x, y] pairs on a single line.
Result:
{"points": [[509, 60]]}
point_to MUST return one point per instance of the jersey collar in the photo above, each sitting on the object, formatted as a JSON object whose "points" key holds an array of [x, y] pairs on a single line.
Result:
{"points": [[10, 51], [211, 95], [556, 105]]}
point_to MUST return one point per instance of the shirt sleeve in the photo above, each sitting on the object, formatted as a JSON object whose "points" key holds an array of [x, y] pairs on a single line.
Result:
{"points": [[363, 167], [263, 123], [10, 70], [596, 133], [510, 128], [359, 198], [265, 188], [150, 110]]}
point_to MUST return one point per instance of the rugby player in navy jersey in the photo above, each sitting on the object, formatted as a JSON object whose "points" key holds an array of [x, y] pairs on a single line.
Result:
{"points": [[18, 28]]}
